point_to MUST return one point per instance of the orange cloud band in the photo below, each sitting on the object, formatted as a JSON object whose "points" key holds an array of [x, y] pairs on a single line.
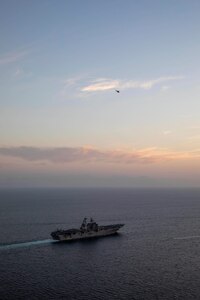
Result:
{"points": [[84, 154]]}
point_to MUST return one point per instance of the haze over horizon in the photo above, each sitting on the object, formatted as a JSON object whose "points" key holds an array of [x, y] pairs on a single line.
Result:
{"points": [[62, 124]]}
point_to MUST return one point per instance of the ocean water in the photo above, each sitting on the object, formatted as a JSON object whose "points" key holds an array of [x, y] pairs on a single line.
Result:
{"points": [[155, 256]]}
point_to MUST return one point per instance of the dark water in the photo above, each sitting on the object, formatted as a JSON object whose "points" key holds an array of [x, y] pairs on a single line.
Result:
{"points": [[156, 256]]}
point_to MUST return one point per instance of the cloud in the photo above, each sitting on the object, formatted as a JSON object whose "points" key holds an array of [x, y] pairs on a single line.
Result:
{"points": [[106, 84], [12, 57], [71, 86], [88, 154], [103, 84], [82, 86], [167, 132]]}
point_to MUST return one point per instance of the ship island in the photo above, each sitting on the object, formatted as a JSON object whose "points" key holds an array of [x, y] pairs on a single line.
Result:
{"points": [[87, 230]]}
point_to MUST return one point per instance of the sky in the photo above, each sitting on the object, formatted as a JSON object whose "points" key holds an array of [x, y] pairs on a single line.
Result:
{"points": [[62, 124]]}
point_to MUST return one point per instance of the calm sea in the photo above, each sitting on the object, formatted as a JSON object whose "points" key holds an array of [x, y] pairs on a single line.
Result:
{"points": [[155, 256]]}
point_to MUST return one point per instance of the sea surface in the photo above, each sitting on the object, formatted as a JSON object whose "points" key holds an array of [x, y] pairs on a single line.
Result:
{"points": [[155, 256]]}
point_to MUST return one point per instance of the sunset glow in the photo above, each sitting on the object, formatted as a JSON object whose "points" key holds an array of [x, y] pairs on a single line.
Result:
{"points": [[62, 122]]}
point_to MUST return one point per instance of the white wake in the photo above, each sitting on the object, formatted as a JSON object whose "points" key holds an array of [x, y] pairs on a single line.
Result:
{"points": [[25, 244]]}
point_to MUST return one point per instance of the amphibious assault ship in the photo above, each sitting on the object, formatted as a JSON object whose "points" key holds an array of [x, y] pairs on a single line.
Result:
{"points": [[87, 230]]}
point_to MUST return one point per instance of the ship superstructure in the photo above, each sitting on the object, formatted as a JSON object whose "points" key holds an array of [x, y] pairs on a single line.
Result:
{"points": [[87, 230]]}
